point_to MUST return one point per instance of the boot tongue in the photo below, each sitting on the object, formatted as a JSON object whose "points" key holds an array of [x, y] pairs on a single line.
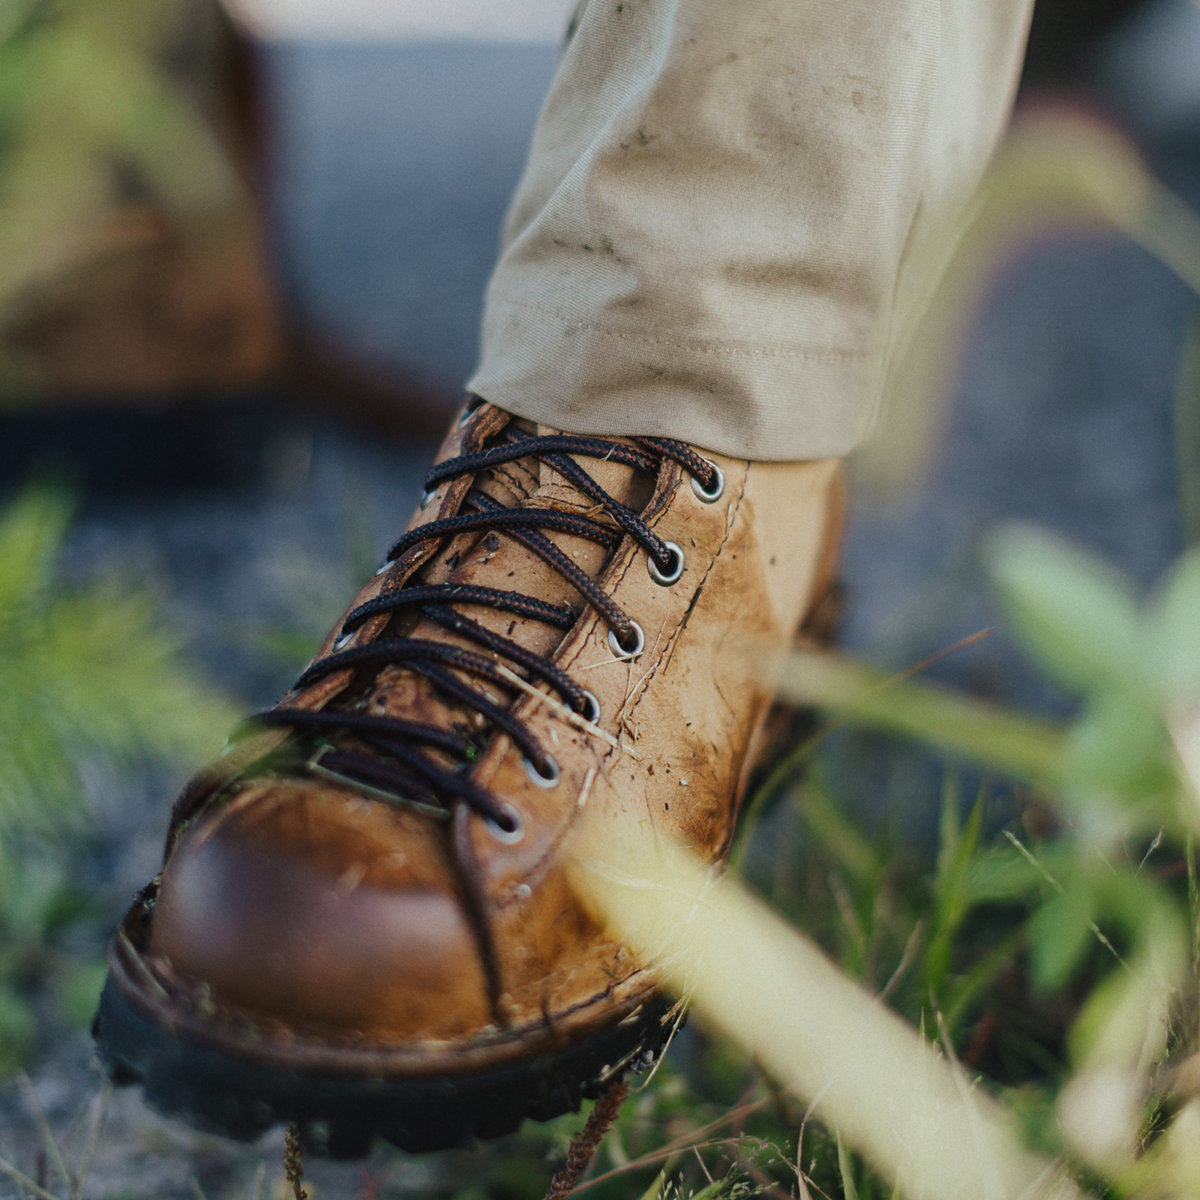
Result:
{"points": [[633, 488], [543, 486]]}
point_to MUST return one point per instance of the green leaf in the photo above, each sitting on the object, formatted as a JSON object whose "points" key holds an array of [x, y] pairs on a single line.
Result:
{"points": [[1173, 632], [656, 1189], [78, 990], [1140, 904], [1119, 745], [18, 1032], [1059, 934], [960, 724], [42, 902], [31, 530], [963, 993], [831, 829], [1002, 874], [1072, 612], [846, 1170], [88, 674]]}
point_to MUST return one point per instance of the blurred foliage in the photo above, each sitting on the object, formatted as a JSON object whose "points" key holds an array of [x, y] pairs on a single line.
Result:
{"points": [[1062, 957], [84, 672], [1060, 169], [89, 680], [92, 123]]}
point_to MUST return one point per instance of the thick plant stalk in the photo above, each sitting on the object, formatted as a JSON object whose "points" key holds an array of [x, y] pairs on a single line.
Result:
{"points": [[883, 1088]]}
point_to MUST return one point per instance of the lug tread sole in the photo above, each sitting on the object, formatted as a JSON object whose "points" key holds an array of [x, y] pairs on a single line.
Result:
{"points": [[341, 1114]]}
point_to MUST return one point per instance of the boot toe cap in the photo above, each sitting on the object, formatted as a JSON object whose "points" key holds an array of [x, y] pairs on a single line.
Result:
{"points": [[309, 908]]}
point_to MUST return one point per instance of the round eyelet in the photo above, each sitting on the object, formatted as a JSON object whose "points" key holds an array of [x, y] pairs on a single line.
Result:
{"points": [[630, 651], [428, 496], [710, 495], [384, 567], [510, 829], [342, 640], [464, 418], [546, 776], [673, 570], [591, 708]]}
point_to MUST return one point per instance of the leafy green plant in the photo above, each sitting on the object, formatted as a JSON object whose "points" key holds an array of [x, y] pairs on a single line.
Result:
{"points": [[84, 671], [89, 680], [1085, 919]]}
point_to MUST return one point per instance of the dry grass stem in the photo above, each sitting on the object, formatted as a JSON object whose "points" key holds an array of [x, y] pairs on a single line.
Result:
{"points": [[293, 1162], [23, 1181], [584, 1145]]}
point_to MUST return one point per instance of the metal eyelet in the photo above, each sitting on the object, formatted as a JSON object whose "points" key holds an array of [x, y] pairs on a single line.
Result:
{"points": [[713, 494], [384, 567], [428, 496], [342, 640], [674, 569], [591, 708], [513, 829], [546, 778], [639, 642], [464, 418]]}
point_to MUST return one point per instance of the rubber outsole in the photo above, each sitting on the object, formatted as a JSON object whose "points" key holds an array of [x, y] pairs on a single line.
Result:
{"points": [[340, 1114]]}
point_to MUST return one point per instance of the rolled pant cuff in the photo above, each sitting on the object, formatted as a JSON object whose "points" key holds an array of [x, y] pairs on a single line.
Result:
{"points": [[744, 400]]}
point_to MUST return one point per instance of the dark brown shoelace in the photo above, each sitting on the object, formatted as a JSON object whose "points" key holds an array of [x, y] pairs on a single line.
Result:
{"points": [[427, 765]]}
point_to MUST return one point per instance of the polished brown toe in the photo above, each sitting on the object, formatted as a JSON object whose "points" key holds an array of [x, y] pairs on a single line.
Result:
{"points": [[292, 901]]}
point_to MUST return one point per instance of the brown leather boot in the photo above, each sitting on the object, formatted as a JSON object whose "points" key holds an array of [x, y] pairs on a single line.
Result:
{"points": [[364, 923]]}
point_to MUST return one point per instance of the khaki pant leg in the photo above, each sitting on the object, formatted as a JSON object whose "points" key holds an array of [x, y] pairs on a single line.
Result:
{"points": [[715, 235]]}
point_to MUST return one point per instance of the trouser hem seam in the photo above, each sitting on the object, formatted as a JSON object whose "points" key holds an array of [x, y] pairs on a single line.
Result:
{"points": [[692, 345]]}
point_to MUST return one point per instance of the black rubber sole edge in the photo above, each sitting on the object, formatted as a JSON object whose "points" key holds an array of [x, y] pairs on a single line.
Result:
{"points": [[340, 1114]]}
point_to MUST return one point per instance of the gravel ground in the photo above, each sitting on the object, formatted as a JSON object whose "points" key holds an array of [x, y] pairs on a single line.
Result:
{"points": [[1063, 416]]}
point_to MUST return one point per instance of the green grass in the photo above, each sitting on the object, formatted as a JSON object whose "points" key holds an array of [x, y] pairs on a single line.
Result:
{"points": [[91, 683]]}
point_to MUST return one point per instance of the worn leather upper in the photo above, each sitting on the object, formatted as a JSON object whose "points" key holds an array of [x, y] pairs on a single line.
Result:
{"points": [[319, 911]]}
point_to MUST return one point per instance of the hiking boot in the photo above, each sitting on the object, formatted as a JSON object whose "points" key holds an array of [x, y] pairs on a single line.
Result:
{"points": [[364, 924]]}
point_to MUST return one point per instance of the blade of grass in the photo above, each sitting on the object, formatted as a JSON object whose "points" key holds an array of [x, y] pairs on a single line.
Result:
{"points": [[853, 852], [958, 848], [956, 723], [655, 1190], [49, 1141], [844, 1169], [99, 1115], [22, 1180], [785, 770], [957, 998]]}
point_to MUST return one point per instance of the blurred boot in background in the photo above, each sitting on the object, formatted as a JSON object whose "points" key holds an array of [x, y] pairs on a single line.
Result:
{"points": [[132, 267]]}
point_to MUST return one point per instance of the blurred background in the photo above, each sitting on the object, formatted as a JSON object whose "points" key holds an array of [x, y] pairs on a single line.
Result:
{"points": [[242, 254]]}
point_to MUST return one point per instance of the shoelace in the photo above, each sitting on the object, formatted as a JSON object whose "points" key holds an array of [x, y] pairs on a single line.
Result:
{"points": [[427, 766]]}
